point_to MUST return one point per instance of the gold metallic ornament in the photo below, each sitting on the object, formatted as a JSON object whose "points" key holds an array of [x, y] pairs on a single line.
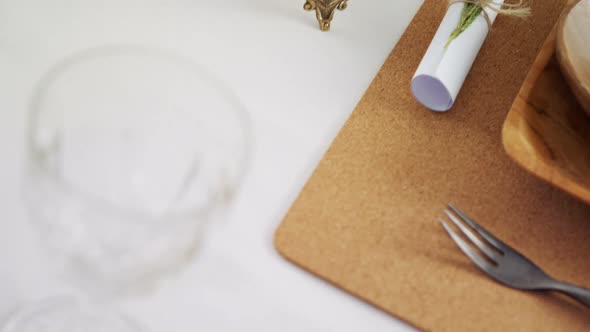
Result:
{"points": [[324, 10]]}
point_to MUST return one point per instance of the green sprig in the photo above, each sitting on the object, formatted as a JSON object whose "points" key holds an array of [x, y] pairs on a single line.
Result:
{"points": [[469, 14]]}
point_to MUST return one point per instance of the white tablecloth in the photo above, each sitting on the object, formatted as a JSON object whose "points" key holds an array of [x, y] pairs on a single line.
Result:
{"points": [[299, 83]]}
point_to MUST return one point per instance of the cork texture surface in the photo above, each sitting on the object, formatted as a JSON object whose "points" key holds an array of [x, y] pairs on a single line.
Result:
{"points": [[366, 220]]}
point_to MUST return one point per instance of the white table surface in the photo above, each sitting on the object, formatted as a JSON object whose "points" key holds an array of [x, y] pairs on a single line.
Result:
{"points": [[300, 85]]}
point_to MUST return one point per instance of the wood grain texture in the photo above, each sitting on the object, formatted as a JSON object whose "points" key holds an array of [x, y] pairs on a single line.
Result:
{"points": [[573, 49], [547, 131], [366, 220]]}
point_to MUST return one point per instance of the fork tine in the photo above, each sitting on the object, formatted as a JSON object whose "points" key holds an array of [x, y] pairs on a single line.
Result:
{"points": [[470, 252], [482, 231], [476, 241]]}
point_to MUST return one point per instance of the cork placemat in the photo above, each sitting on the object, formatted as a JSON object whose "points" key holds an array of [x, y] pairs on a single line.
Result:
{"points": [[366, 220]]}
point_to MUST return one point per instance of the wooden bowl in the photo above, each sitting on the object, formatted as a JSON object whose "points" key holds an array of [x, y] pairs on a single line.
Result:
{"points": [[547, 131], [573, 49]]}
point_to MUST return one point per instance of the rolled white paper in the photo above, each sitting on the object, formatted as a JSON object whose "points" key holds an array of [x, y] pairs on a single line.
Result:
{"points": [[442, 72]]}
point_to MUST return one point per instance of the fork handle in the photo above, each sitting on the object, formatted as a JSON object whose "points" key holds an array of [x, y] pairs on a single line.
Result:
{"points": [[578, 293]]}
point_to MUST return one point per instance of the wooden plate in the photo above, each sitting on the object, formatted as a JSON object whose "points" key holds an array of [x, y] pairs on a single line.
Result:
{"points": [[573, 49], [547, 132]]}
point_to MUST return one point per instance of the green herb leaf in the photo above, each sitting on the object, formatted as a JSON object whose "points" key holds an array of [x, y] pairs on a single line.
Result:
{"points": [[469, 14]]}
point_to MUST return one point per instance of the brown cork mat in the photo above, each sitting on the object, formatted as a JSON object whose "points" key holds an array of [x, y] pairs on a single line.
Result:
{"points": [[366, 221]]}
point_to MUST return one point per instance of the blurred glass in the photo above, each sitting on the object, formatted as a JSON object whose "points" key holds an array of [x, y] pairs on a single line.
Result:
{"points": [[131, 150]]}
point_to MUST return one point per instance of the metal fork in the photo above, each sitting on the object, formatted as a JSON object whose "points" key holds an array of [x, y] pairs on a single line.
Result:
{"points": [[502, 262]]}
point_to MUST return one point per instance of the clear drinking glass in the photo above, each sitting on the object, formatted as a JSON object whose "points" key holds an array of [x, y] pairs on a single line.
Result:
{"points": [[130, 151]]}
